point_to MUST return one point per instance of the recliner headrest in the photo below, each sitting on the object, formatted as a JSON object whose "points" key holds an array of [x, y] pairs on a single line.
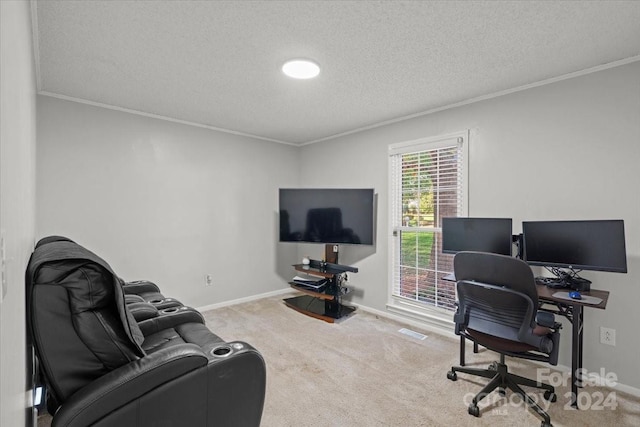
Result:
{"points": [[51, 239]]}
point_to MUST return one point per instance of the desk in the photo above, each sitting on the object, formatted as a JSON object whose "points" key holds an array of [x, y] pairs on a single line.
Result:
{"points": [[572, 310]]}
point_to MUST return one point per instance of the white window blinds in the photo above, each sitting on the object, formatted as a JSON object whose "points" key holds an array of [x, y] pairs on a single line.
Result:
{"points": [[427, 183]]}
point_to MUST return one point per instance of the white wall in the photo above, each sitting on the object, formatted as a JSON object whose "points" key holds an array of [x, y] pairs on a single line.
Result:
{"points": [[164, 201], [17, 199], [568, 150]]}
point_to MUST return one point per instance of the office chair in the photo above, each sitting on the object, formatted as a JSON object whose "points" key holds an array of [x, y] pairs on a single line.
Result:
{"points": [[498, 309]]}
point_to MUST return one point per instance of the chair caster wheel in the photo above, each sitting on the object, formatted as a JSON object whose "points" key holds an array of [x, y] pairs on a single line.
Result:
{"points": [[546, 424], [452, 375], [502, 392], [474, 410], [493, 366], [550, 396]]}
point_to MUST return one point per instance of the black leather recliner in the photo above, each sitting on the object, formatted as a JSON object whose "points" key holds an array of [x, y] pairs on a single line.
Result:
{"points": [[102, 368]]}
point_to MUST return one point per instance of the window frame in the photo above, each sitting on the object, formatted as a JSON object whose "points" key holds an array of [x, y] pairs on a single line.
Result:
{"points": [[437, 316]]}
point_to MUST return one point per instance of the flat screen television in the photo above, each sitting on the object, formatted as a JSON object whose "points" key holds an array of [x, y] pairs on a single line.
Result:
{"points": [[327, 215], [492, 235], [576, 245]]}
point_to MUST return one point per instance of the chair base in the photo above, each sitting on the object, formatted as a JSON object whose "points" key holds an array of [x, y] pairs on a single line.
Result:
{"points": [[502, 379]]}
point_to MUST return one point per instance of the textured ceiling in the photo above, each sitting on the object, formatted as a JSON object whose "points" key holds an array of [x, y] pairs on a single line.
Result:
{"points": [[218, 63]]}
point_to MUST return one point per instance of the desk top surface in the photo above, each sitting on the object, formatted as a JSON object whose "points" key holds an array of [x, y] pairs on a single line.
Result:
{"points": [[545, 294]]}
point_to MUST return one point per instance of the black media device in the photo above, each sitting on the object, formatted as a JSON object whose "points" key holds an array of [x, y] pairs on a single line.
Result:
{"points": [[492, 235], [567, 247], [327, 215]]}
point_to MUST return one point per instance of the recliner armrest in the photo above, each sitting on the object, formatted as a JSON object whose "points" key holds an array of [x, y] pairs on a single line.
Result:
{"points": [[128, 383], [139, 286]]}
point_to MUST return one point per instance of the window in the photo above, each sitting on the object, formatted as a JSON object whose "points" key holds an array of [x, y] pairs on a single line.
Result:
{"points": [[427, 182]]}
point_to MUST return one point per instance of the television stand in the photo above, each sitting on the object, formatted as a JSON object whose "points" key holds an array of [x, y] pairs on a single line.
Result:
{"points": [[326, 305]]}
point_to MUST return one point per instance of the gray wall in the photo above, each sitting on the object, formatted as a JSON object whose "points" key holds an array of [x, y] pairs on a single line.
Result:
{"points": [[172, 203], [164, 201], [567, 150], [17, 199]]}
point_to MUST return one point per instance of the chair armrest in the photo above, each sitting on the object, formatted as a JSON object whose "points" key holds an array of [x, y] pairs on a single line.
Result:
{"points": [[131, 298], [546, 319], [140, 286], [459, 318], [170, 318], [142, 311], [128, 383]]}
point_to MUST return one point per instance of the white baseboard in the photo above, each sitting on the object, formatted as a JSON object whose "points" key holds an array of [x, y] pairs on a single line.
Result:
{"points": [[432, 325], [244, 299], [627, 389]]}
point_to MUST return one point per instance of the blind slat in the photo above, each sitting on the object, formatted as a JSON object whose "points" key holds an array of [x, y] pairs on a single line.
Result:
{"points": [[425, 186]]}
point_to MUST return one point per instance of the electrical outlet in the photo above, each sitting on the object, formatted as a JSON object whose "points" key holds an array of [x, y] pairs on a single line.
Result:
{"points": [[208, 280], [607, 336]]}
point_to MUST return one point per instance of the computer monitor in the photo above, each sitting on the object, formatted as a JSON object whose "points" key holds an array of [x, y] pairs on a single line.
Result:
{"points": [[492, 235], [576, 245]]}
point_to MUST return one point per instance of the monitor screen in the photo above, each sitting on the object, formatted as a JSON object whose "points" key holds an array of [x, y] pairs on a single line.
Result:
{"points": [[327, 215], [476, 234], [579, 245]]}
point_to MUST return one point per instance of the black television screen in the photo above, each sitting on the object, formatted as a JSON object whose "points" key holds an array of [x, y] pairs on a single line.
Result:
{"points": [[327, 215], [476, 234], [578, 245]]}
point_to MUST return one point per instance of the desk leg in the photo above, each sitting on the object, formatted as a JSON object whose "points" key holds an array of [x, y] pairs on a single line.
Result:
{"points": [[576, 353]]}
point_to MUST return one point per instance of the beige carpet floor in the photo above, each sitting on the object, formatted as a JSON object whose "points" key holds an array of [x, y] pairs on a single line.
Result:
{"points": [[364, 372]]}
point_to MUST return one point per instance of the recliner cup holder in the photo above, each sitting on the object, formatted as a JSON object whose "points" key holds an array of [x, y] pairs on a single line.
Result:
{"points": [[156, 301], [170, 310], [222, 351]]}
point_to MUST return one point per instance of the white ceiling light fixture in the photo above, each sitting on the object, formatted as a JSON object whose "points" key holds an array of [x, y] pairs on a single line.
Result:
{"points": [[301, 69]]}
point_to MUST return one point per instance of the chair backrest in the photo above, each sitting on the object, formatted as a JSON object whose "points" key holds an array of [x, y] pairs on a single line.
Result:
{"points": [[497, 295], [77, 316]]}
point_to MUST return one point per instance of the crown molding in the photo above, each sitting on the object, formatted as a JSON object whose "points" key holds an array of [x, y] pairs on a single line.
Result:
{"points": [[498, 94], [159, 117]]}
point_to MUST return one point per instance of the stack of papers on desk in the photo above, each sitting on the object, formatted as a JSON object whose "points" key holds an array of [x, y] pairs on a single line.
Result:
{"points": [[310, 281]]}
